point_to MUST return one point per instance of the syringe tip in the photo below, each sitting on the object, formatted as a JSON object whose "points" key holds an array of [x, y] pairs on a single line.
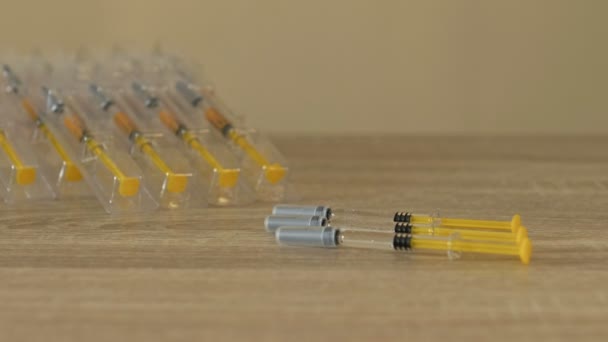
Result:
{"points": [[53, 103], [137, 86], [97, 91]]}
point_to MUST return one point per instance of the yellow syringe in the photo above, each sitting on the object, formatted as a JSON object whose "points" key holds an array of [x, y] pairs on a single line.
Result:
{"points": [[379, 223], [273, 172], [361, 238], [400, 216]]}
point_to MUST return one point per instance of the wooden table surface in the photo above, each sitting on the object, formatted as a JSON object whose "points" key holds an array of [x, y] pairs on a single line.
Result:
{"points": [[69, 272]]}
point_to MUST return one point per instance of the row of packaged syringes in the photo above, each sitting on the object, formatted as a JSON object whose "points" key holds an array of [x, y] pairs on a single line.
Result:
{"points": [[138, 133]]}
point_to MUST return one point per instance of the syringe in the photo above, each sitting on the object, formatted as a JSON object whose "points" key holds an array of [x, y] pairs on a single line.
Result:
{"points": [[399, 216], [128, 186], [273, 222], [69, 169], [273, 172], [175, 182], [357, 238], [227, 177]]}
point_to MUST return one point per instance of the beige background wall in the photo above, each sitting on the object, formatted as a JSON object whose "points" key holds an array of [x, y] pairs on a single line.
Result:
{"points": [[383, 65]]}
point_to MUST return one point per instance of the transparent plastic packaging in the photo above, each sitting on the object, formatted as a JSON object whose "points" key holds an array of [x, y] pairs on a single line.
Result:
{"points": [[214, 164], [263, 166], [20, 176], [167, 174], [57, 167], [112, 175], [141, 142]]}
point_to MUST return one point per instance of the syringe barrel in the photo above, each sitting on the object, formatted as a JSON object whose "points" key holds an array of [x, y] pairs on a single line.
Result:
{"points": [[306, 236], [361, 238], [347, 237], [273, 222], [302, 210], [374, 239]]}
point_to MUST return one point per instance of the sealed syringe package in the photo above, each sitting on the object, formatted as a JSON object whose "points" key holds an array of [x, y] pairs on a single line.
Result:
{"points": [[112, 175], [215, 168], [138, 131], [20, 175], [45, 148], [264, 167], [167, 175], [214, 161]]}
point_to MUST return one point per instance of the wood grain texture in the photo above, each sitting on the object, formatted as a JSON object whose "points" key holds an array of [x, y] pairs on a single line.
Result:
{"points": [[69, 272]]}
